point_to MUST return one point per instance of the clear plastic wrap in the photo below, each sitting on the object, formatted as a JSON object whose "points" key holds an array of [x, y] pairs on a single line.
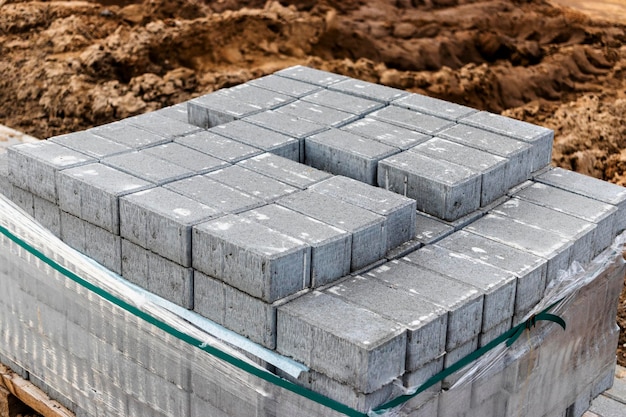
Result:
{"points": [[102, 346]]}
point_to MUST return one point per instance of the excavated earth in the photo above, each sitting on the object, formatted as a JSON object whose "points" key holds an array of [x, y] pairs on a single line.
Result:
{"points": [[70, 65]]}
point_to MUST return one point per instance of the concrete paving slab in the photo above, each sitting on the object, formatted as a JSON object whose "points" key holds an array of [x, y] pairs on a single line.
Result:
{"points": [[284, 85], [343, 153], [344, 102], [286, 124], [219, 146], [492, 168], [539, 137], [33, 166], [256, 96], [147, 167], [311, 75], [331, 247], [251, 257], [4, 175], [370, 91], [284, 170], [161, 220], [529, 269], [589, 187], [261, 138], [90, 144], [188, 158], [157, 274], [497, 285], [369, 239], [410, 119], [386, 133], [519, 153], [252, 183], [99, 244], [426, 323], [321, 115], [399, 211], [47, 214], [176, 112], [162, 125], [91, 192], [128, 135], [440, 188], [607, 407], [553, 247], [602, 214], [346, 342], [434, 106], [214, 194], [464, 303], [581, 233], [215, 109], [23, 199], [496, 331], [429, 229]]}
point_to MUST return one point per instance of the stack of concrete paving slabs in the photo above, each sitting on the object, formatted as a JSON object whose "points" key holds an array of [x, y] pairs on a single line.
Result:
{"points": [[373, 235]]}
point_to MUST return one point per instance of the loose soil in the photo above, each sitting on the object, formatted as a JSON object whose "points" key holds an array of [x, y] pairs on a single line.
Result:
{"points": [[70, 65]]}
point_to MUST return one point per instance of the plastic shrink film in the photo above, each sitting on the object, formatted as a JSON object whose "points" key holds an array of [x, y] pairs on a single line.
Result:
{"points": [[104, 347]]}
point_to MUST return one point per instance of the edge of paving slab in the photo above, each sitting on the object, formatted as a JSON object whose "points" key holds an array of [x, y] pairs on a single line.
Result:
{"points": [[612, 402]]}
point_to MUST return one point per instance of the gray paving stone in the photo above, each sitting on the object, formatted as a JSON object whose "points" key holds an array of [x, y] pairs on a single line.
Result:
{"points": [[410, 119], [429, 229], [252, 183], [129, 135], [539, 137], [607, 407], [33, 166], [426, 323], [90, 144], [348, 343], [496, 331], [416, 378], [157, 274], [553, 247], [464, 303], [443, 189], [311, 75], [235, 310], [286, 124], [589, 187], [251, 257], [188, 158], [23, 199], [91, 192], [370, 91], [176, 112], [256, 96], [519, 153], [261, 138], [162, 125], [344, 102], [147, 167], [581, 233], [284, 170], [399, 211], [369, 239], [161, 220], [219, 146], [602, 214], [284, 85], [529, 269], [331, 247], [99, 244], [386, 133], [321, 115], [434, 106], [4, 175], [497, 285], [215, 109], [344, 153], [47, 214], [492, 168], [214, 194]]}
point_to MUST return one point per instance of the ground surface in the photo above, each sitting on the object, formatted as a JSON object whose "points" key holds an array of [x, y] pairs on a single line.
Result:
{"points": [[69, 65]]}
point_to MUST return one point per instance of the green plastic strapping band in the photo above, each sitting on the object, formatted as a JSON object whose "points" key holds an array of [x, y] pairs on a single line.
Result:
{"points": [[510, 337]]}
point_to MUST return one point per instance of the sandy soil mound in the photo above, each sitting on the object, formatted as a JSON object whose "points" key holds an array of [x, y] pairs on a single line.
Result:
{"points": [[69, 65]]}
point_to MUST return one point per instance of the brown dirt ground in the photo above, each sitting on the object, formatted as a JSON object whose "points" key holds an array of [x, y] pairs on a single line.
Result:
{"points": [[69, 65]]}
